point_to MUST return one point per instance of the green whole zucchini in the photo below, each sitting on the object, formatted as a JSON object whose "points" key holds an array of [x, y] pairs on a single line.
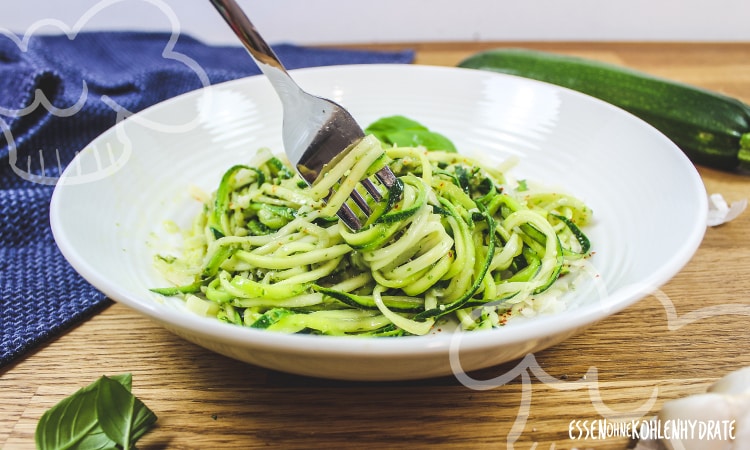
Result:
{"points": [[711, 129]]}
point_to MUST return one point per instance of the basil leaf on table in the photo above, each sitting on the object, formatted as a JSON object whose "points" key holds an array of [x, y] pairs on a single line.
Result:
{"points": [[102, 415], [72, 423], [122, 416]]}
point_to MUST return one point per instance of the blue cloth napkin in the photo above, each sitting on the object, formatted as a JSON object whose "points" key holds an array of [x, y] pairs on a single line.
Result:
{"points": [[52, 91]]}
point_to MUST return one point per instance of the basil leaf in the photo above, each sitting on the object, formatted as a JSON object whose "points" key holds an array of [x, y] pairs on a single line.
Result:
{"points": [[76, 422], [122, 416], [425, 138], [390, 124], [73, 423], [405, 132]]}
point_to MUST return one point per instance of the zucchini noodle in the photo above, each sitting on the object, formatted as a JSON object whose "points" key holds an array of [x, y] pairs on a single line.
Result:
{"points": [[453, 240]]}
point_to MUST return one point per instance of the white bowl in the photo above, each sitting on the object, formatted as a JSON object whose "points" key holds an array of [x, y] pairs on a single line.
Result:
{"points": [[649, 203]]}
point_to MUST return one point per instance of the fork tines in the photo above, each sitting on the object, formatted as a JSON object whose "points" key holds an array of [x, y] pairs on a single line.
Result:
{"points": [[348, 216]]}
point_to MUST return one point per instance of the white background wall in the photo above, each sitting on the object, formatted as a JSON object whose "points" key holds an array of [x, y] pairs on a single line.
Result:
{"points": [[357, 21]]}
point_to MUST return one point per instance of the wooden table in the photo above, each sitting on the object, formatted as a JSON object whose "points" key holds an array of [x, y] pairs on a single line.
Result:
{"points": [[628, 364]]}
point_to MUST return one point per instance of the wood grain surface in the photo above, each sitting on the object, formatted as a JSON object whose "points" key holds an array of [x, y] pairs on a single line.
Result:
{"points": [[624, 367]]}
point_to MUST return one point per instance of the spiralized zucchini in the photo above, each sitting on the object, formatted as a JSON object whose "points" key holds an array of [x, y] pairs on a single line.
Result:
{"points": [[453, 240]]}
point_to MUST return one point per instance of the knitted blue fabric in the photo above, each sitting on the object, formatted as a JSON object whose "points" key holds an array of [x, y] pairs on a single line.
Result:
{"points": [[51, 91]]}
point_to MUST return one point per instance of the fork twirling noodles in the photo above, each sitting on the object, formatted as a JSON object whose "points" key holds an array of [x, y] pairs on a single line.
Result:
{"points": [[454, 239]]}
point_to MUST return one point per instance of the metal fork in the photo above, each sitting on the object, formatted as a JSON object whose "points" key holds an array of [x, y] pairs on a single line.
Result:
{"points": [[315, 131]]}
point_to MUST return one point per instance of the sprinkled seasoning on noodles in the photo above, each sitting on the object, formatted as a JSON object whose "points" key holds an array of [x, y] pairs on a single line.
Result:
{"points": [[454, 240]]}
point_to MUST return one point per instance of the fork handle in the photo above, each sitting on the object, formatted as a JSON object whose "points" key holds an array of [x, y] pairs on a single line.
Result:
{"points": [[261, 52]]}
